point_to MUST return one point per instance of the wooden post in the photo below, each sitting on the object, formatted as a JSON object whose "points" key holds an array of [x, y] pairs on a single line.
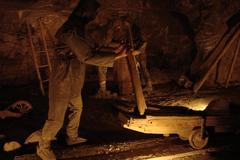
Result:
{"points": [[233, 63], [231, 37], [136, 82], [123, 77]]}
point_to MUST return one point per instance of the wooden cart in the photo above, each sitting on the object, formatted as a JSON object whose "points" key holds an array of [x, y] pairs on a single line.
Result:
{"points": [[187, 124]]}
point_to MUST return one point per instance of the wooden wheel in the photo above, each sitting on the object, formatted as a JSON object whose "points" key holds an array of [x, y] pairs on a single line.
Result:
{"points": [[21, 106], [196, 140]]}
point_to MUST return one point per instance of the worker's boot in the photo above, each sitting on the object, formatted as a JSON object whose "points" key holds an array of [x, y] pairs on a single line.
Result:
{"points": [[77, 140], [44, 150], [34, 137]]}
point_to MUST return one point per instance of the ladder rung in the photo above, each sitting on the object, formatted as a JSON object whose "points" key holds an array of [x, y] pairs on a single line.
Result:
{"points": [[43, 66], [44, 81]]}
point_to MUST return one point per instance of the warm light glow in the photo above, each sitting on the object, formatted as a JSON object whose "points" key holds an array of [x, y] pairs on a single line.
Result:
{"points": [[200, 104]]}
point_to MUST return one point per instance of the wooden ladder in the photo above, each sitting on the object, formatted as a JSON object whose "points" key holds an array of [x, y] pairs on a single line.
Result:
{"points": [[40, 52]]}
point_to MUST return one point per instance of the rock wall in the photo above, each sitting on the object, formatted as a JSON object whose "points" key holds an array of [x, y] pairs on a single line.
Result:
{"points": [[169, 26], [16, 58]]}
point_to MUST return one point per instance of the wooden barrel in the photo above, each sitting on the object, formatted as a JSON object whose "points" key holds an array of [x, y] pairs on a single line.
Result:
{"points": [[122, 77]]}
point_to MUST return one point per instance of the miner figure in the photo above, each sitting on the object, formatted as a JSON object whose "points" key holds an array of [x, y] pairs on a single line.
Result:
{"points": [[86, 30], [67, 79], [120, 34]]}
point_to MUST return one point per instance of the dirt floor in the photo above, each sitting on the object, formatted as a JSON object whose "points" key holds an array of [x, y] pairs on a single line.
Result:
{"points": [[99, 122], [100, 125]]}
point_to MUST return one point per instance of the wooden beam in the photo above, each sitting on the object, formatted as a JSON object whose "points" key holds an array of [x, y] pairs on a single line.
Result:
{"points": [[233, 62], [136, 82], [227, 42]]}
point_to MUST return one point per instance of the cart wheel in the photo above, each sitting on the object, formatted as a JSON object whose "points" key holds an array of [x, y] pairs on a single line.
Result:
{"points": [[21, 106], [196, 141]]}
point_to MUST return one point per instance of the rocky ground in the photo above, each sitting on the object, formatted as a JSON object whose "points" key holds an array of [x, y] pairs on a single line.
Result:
{"points": [[106, 138]]}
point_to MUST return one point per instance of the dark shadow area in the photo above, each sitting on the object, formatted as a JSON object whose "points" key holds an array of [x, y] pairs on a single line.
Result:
{"points": [[99, 123]]}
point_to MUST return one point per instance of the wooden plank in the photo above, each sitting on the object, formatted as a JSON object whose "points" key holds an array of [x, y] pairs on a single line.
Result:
{"points": [[137, 86], [136, 82], [233, 63], [227, 42], [181, 125]]}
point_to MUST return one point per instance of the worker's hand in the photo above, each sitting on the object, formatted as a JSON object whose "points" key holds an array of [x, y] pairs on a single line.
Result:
{"points": [[121, 54], [136, 52], [124, 54]]}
